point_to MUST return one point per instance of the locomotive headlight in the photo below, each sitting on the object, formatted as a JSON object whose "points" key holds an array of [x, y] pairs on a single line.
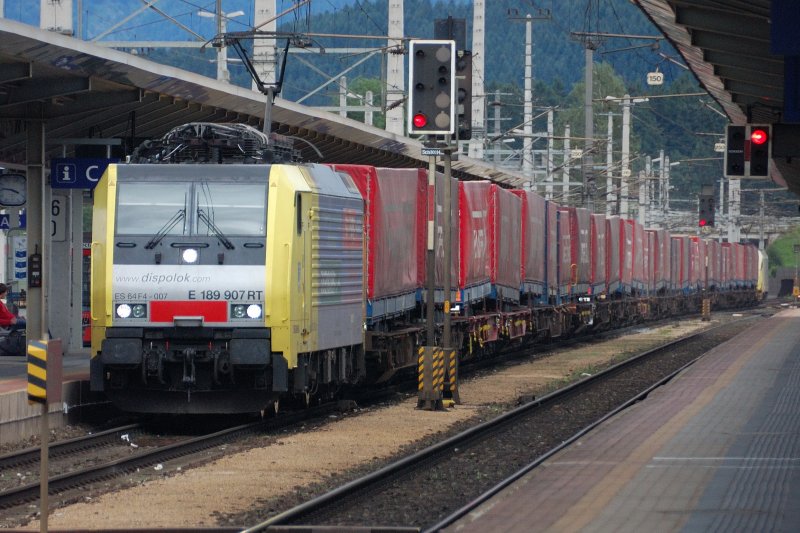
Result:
{"points": [[246, 311], [190, 255], [254, 311], [124, 310], [132, 310]]}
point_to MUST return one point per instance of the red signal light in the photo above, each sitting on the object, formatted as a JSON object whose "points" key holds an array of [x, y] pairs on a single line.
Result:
{"points": [[758, 136], [702, 222], [420, 120]]}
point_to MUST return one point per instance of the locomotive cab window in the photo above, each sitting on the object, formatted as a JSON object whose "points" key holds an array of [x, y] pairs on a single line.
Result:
{"points": [[237, 208], [147, 207], [215, 208]]}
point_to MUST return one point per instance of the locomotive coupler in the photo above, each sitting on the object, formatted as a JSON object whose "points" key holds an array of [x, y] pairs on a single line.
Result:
{"points": [[188, 366], [153, 365], [222, 365]]}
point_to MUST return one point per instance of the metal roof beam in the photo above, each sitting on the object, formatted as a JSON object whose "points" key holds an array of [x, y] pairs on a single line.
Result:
{"points": [[734, 45], [774, 95], [83, 103], [79, 104], [723, 22], [735, 7], [767, 79], [44, 89], [15, 72], [772, 66]]}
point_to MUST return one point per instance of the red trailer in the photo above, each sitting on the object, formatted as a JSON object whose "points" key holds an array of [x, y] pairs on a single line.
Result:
{"points": [[580, 250], [697, 264], [614, 232], [660, 251], [649, 245], [626, 255], [681, 258], [599, 254], [438, 210], [551, 244], [726, 263], [533, 246], [394, 233], [714, 254], [665, 257], [565, 269], [638, 267], [491, 226]]}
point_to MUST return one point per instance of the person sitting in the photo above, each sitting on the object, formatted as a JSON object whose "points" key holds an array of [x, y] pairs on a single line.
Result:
{"points": [[12, 329], [8, 319]]}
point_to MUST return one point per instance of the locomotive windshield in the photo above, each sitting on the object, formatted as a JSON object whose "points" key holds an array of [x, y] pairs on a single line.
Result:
{"points": [[235, 208], [147, 208], [214, 208]]}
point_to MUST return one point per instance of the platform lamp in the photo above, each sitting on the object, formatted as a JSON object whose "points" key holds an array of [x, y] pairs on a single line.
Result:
{"points": [[222, 52]]}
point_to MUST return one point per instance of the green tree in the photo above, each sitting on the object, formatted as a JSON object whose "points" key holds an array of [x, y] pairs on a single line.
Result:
{"points": [[357, 96]]}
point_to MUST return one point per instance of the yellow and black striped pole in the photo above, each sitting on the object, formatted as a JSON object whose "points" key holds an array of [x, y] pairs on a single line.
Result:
{"points": [[44, 389], [430, 366], [37, 372], [451, 363]]}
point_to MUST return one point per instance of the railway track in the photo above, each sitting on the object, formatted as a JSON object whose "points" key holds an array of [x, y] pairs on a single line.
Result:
{"points": [[429, 489], [79, 479], [79, 462]]}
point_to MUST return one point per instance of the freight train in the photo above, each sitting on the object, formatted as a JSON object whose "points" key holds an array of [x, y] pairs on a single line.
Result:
{"points": [[226, 277]]}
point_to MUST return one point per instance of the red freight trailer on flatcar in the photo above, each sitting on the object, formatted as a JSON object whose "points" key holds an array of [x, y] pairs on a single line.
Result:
{"points": [[599, 254], [565, 270], [491, 224], [614, 234], [533, 249], [626, 255], [551, 229], [438, 211], [714, 258], [697, 266], [681, 257], [637, 238], [580, 221], [394, 231]]}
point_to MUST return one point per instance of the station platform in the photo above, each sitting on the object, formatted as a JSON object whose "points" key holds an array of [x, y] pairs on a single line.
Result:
{"points": [[715, 449], [18, 418]]}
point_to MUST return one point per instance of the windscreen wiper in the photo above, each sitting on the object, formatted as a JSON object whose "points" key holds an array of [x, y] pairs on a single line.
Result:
{"points": [[168, 225], [214, 229]]}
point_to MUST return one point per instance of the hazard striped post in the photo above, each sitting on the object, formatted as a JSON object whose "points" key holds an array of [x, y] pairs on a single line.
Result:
{"points": [[44, 356], [430, 366], [37, 372], [451, 364]]}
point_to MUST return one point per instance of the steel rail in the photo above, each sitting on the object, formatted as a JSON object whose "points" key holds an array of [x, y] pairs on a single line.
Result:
{"points": [[108, 470], [32, 455]]}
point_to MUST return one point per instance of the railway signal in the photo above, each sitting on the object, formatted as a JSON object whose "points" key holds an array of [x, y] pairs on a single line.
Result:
{"points": [[706, 211], [748, 150], [760, 137], [734, 151], [464, 95], [432, 87]]}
